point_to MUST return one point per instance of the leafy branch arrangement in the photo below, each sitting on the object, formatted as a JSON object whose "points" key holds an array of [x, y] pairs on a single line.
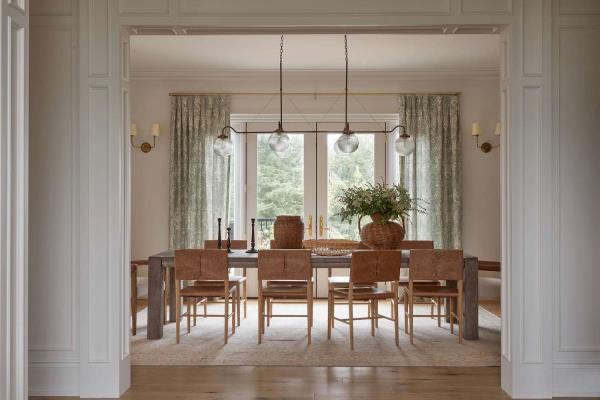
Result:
{"points": [[390, 202]]}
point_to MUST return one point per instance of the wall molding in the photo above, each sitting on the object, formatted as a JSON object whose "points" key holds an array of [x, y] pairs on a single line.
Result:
{"points": [[270, 75]]}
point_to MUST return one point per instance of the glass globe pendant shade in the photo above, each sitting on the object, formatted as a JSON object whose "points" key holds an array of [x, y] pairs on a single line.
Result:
{"points": [[336, 148], [347, 143], [404, 145], [279, 142], [284, 154], [223, 146]]}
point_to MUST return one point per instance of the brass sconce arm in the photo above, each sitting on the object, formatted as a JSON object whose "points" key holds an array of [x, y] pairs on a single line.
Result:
{"points": [[486, 147], [145, 146]]}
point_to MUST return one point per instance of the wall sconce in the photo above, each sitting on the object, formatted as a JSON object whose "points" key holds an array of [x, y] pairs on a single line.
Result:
{"points": [[486, 147], [145, 146]]}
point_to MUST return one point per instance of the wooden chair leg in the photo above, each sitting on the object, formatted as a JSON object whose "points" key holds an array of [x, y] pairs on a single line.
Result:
{"points": [[432, 303], [134, 302], [245, 294], [351, 317], [395, 315], [226, 313], [372, 318], [234, 310], [330, 305], [238, 305], [405, 298], [177, 311], [195, 309], [205, 307], [460, 312], [260, 317], [411, 314], [451, 315], [439, 311], [309, 310], [376, 313], [189, 306], [269, 311], [165, 294]]}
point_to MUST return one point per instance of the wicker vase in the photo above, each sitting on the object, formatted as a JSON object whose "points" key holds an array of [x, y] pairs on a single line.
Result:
{"points": [[381, 236], [288, 231]]}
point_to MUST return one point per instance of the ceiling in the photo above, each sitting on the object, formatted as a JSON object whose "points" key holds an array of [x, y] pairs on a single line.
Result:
{"points": [[367, 52]]}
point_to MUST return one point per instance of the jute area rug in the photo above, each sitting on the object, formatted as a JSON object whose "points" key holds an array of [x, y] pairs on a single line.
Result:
{"points": [[285, 343]]}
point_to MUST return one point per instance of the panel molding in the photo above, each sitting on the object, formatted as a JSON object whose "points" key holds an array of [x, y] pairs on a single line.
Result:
{"points": [[144, 8], [99, 54], [559, 340], [486, 7], [532, 38]]}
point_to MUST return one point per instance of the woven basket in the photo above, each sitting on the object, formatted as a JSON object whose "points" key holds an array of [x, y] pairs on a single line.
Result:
{"points": [[288, 231], [382, 236]]}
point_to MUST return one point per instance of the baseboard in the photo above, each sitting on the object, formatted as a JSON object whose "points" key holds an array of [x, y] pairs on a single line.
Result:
{"points": [[54, 379], [576, 380]]}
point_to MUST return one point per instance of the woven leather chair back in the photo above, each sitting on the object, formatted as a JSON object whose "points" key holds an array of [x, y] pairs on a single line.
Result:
{"points": [[201, 264], [284, 265], [235, 244], [416, 244], [435, 265], [375, 266]]}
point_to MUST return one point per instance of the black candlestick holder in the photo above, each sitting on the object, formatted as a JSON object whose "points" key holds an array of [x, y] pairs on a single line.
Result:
{"points": [[229, 240], [252, 239], [219, 233]]}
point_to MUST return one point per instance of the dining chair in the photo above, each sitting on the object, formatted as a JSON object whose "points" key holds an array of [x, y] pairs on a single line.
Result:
{"points": [[241, 281], [133, 270], [204, 265], [435, 265], [367, 269], [290, 273]]}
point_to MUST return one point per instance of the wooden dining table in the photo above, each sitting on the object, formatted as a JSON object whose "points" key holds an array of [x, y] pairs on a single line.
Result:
{"points": [[160, 263]]}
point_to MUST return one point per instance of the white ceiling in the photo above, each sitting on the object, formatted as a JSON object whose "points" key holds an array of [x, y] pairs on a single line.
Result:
{"points": [[379, 52]]}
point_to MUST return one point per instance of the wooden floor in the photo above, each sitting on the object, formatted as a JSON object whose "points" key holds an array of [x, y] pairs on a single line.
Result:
{"points": [[372, 383]]}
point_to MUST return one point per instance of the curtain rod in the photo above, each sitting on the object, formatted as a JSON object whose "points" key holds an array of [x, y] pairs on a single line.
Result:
{"points": [[313, 94]]}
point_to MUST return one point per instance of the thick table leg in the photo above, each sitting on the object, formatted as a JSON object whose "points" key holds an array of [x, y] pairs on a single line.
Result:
{"points": [[155, 298], [471, 299], [172, 296]]}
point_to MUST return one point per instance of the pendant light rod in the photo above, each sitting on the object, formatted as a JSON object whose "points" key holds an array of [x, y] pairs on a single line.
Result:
{"points": [[346, 90], [281, 84], [385, 131]]}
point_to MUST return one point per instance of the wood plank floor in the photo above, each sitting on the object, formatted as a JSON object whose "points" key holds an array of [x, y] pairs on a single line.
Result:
{"points": [[299, 383]]}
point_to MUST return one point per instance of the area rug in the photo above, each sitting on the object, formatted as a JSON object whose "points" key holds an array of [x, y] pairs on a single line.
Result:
{"points": [[285, 342]]}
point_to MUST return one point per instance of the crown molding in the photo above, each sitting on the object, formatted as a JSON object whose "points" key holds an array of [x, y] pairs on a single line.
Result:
{"points": [[312, 74]]}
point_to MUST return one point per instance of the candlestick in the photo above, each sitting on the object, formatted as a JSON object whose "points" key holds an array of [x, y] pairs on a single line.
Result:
{"points": [[229, 240], [219, 234], [252, 240]]}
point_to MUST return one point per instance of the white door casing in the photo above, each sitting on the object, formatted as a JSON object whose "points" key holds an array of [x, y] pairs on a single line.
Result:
{"points": [[14, 119]]}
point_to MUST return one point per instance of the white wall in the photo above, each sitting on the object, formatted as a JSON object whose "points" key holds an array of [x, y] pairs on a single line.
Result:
{"points": [[480, 101]]}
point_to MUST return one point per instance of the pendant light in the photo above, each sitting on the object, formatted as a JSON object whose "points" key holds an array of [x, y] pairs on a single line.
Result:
{"points": [[348, 141], [279, 141]]}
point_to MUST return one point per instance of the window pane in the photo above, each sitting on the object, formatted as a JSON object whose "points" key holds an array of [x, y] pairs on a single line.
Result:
{"points": [[346, 170], [280, 185]]}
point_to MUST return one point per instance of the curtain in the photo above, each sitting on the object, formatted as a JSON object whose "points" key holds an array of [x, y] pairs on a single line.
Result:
{"points": [[199, 179], [433, 172]]}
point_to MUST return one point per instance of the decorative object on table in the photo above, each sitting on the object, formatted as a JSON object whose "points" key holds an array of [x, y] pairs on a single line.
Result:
{"points": [[385, 204], [486, 147], [279, 140], [252, 239], [229, 240], [219, 233], [330, 247], [288, 231], [324, 251], [145, 147]]}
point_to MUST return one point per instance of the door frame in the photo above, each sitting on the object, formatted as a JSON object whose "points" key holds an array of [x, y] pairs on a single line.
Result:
{"points": [[104, 366]]}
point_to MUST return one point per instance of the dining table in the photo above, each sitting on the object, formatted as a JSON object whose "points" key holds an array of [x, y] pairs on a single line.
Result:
{"points": [[163, 262]]}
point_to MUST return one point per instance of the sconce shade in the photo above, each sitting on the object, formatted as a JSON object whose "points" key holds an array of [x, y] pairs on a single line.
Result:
{"points": [[498, 129], [475, 129], [155, 129], [223, 146], [133, 130], [404, 145]]}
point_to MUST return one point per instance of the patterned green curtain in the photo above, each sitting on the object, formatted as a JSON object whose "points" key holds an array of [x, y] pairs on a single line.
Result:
{"points": [[199, 179], [433, 173]]}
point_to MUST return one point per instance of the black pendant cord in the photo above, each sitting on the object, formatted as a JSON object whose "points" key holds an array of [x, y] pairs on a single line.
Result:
{"points": [[252, 239], [281, 85], [346, 125], [219, 233]]}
